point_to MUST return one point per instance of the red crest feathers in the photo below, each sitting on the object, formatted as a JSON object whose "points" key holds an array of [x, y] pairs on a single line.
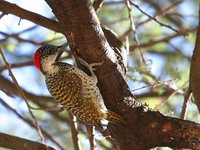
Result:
{"points": [[37, 62]]}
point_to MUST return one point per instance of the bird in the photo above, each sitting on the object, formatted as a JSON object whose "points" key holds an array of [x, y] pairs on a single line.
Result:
{"points": [[120, 51], [72, 88]]}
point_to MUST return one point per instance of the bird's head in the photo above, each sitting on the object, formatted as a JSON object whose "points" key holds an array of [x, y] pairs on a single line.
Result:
{"points": [[46, 56]]}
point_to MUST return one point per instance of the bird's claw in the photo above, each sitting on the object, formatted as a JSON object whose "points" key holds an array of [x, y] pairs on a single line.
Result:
{"points": [[95, 64], [90, 66]]}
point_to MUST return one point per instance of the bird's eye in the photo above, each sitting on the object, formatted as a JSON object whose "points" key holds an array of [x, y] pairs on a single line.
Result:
{"points": [[48, 50]]}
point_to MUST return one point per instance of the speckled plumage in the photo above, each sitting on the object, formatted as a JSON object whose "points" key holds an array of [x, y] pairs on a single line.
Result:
{"points": [[77, 92], [73, 89]]}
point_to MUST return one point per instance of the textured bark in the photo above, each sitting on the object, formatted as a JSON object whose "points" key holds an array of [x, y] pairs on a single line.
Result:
{"points": [[195, 71], [146, 128]]}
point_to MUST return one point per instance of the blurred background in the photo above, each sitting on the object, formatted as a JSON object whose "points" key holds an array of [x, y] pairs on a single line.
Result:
{"points": [[160, 37]]}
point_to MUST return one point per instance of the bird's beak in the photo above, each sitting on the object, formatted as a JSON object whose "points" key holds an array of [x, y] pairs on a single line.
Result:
{"points": [[61, 50], [63, 46]]}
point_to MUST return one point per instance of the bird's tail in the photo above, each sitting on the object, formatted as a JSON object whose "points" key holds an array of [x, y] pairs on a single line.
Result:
{"points": [[115, 118]]}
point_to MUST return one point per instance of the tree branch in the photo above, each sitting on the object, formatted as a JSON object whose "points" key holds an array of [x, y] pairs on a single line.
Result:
{"points": [[22, 94], [10, 8], [74, 132], [23, 64], [156, 20], [13, 142], [9, 88], [42, 101], [30, 123], [165, 39]]}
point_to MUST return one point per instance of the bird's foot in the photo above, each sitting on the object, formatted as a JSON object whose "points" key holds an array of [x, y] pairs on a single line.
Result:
{"points": [[91, 67]]}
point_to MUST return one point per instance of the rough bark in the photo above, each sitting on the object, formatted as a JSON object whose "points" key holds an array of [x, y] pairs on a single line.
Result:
{"points": [[195, 70]]}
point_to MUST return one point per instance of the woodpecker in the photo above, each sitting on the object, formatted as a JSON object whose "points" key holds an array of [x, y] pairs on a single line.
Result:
{"points": [[120, 51], [76, 91]]}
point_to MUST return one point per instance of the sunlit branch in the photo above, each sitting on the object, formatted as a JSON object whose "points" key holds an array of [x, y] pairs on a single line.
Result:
{"points": [[165, 39], [156, 20], [10, 8], [18, 38], [158, 13], [185, 102], [14, 142], [133, 29], [74, 132], [159, 83], [30, 63], [177, 90], [22, 94], [158, 7], [10, 89], [18, 65], [90, 133], [30, 123]]}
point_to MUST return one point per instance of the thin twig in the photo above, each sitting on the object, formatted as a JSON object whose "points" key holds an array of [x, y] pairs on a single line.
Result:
{"points": [[74, 132], [165, 39], [90, 130], [170, 97], [14, 142], [28, 29], [23, 64], [30, 123], [22, 94], [31, 16], [153, 85], [127, 2], [156, 20], [159, 13], [20, 39], [30, 63], [185, 102], [42, 101], [2, 14]]}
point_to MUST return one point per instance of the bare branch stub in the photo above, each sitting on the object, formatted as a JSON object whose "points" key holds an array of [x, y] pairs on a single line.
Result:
{"points": [[97, 4]]}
